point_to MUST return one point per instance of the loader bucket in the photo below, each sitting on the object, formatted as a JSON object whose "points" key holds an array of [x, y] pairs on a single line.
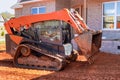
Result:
{"points": [[89, 43]]}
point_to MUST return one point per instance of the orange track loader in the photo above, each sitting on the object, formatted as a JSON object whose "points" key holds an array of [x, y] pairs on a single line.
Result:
{"points": [[44, 41]]}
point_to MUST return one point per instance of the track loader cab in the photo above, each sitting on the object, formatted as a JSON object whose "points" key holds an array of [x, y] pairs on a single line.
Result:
{"points": [[55, 33]]}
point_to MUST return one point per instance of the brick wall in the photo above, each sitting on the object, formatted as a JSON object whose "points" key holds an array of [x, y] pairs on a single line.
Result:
{"points": [[60, 4], [76, 2], [26, 10], [111, 41], [94, 14], [111, 46], [111, 34], [18, 12]]}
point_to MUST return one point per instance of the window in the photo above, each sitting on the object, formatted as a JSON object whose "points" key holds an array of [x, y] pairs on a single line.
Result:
{"points": [[53, 31], [42, 10], [34, 11], [111, 15], [118, 15], [49, 31], [38, 10]]}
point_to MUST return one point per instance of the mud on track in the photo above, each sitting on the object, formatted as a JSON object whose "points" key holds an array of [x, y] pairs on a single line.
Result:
{"points": [[105, 67]]}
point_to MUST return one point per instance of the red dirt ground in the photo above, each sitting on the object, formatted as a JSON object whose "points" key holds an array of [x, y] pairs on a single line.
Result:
{"points": [[106, 67], [2, 47]]}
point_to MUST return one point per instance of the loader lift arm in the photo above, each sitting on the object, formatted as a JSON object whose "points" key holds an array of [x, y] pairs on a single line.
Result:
{"points": [[65, 15]]}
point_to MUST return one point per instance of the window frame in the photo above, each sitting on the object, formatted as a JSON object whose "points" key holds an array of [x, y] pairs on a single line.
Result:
{"points": [[38, 9], [34, 8], [47, 39], [115, 15]]}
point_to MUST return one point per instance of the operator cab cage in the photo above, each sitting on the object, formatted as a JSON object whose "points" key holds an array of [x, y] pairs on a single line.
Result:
{"points": [[53, 31], [55, 28]]}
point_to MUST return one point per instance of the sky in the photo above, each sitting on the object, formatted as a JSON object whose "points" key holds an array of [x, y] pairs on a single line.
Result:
{"points": [[6, 4]]}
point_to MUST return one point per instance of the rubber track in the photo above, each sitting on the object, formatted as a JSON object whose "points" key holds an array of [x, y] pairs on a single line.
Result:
{"points": [[61, 59]]}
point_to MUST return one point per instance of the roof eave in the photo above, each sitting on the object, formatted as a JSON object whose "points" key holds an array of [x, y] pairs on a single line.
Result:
{"points": [[15, 6], [27, 2]]}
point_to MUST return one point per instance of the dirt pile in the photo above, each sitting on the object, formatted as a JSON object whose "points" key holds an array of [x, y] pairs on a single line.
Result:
{"points": [[106, 67]]}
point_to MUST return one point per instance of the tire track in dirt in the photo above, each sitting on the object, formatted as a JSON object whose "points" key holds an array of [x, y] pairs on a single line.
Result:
{"points": [[105, 67]]}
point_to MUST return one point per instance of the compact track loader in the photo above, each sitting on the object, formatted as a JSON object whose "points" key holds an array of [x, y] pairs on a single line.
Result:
{"points": [[44, 41]]}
